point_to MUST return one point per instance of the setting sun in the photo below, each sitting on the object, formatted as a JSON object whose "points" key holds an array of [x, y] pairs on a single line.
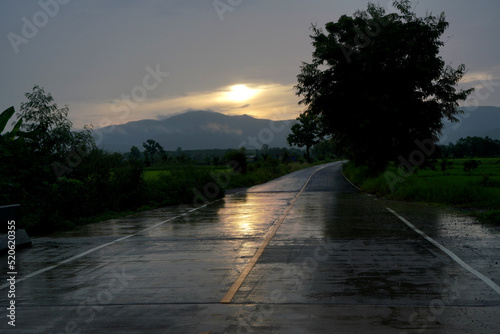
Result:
{"points": [[240, 93]]}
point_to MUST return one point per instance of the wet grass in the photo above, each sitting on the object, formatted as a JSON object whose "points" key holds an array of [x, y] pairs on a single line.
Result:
{"points": [[258, 173], [157, 172], [477, 192], [154, 175], [262, 172]]}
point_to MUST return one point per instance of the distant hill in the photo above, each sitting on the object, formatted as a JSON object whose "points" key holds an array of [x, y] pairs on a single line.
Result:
{"points": [[198, 130], [482, 122]]}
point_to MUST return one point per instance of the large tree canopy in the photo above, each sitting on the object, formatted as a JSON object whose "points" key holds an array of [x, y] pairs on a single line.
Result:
{"points": [[379, 84]]}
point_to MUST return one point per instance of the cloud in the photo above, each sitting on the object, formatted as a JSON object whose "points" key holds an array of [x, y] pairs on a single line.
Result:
{"points": [[243, 106], [476, 77], [272, 100], [491, 73], [95, 51]]}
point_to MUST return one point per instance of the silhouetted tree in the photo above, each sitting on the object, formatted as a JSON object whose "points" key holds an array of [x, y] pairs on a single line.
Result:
{"points": [[470, 165], [135, 154], [306, 132], [154, 150], [238, 160], [41, 138], [379, 83], [46, 127]]}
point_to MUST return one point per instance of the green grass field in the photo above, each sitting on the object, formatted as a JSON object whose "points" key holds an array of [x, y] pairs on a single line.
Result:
{"points": [[153, 175], [478, 192], [156, 173], [258, 173]]}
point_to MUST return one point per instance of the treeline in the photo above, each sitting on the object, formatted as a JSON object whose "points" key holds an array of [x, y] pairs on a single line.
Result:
{"points": [[472, 147], [61, 178], [155, 156]]}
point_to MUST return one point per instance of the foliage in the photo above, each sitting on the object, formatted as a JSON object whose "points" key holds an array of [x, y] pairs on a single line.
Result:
{"points": [[13, 157], [306, 132], [154, 151], [135, 154], [378, 83], [263, 171], [99, 183], [5, 116], [327, 148], [238, 160], [456, 188], [285, 157], [472, 147], [470, 165], [4, 119], [445, 165], [46, 127], [490, 217], [43, 137]]}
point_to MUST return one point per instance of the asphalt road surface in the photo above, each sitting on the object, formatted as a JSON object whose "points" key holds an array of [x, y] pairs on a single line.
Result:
{"points": [[306, 253]]}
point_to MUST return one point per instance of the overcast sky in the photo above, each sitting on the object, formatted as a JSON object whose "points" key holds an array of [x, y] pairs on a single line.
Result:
{"points": [[117, 61]]}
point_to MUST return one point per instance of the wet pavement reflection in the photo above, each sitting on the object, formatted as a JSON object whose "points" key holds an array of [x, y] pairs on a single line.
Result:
{"points": [[340, 262]]}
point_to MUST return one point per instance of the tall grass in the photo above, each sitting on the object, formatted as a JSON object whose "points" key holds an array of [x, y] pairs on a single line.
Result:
{"points": [[177, 185]]}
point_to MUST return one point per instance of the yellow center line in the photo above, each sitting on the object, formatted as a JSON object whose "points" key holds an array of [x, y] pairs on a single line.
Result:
{"points": [[248, 268]]}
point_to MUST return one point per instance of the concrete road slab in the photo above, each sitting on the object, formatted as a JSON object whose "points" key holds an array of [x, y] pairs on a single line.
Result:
{"points": [[340, 262]]}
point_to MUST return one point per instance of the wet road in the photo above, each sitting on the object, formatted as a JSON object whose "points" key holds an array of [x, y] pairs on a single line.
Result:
{"points": [[310, 253]]}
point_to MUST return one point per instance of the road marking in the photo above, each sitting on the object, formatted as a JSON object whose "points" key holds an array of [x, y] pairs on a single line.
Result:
{"points": [[268, 236], [41, 271], [458, 260]]}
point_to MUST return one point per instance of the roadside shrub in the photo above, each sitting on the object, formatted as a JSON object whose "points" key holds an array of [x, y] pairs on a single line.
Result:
{"points": [[470, 165], [238, 160], [128, 186], [182, 185]]}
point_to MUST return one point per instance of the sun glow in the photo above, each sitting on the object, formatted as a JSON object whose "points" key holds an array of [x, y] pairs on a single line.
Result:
{"points": [[272, 101], [240, 93]]}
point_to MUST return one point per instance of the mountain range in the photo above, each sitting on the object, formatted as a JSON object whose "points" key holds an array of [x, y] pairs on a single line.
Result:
{"points": [[202, 129], [479, 122], [196, 130]]}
